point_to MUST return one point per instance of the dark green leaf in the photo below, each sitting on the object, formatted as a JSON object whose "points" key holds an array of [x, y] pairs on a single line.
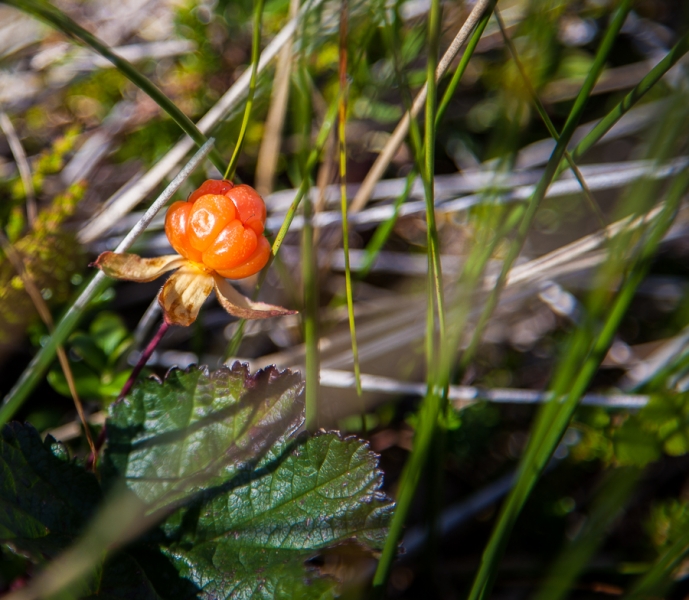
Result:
{"points": [[257, 502], [45, 498]]}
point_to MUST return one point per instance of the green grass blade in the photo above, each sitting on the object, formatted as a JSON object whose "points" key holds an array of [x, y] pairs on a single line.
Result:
{"points": [[498, 540], [609, 503], [303, 117], [653, 77], [432, 404], [409, 481], [555, 415], [549, 174], [463, 62], [384, 230], [60, 21], [342, 123], [429, 161], [382, 234], [546, 120], [255, 58], [310, 316], [659, 577]]}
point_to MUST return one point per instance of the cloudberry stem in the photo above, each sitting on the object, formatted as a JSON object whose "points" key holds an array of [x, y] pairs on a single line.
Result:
{"points": [[143, 359]]}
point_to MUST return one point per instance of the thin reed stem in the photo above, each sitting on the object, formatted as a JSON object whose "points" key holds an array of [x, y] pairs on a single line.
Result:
{"points": [[432, 404], [255, 58], [342, 124]]}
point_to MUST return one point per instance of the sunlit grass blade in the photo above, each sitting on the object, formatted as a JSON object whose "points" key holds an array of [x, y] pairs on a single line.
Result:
{"points": [[342, 125], [304, 187], [255, 58], [36, 369], [60, 21], [587, 349], [383, 232], [551, 170], [609, 503], [431, 406]]}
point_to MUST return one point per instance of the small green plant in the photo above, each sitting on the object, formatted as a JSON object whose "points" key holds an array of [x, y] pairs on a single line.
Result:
{"points": [[96, 360], [238, 500]]}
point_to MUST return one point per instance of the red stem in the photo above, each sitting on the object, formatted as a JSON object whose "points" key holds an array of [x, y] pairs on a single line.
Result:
{"points": [[143, 359]]}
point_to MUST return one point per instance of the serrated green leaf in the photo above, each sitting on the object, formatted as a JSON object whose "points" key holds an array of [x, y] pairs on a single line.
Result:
{"points": [[169, 439], [257, 501], [249, 537]]}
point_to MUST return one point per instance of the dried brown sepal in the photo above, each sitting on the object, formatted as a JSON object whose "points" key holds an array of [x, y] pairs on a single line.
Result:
{"points": [[240, 306], [132, 267], [183, 295]]}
